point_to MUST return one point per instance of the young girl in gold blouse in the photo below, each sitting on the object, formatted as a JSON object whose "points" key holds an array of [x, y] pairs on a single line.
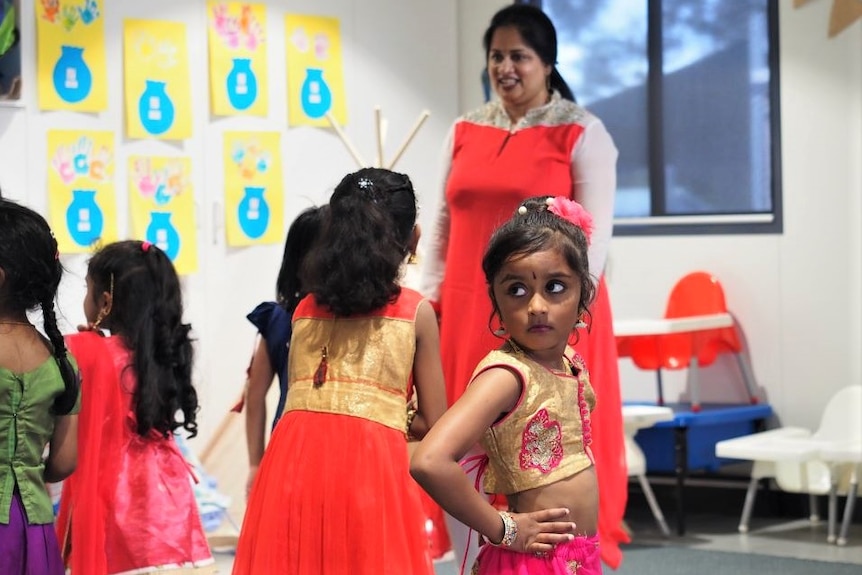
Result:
{"points": [[528, 404]]}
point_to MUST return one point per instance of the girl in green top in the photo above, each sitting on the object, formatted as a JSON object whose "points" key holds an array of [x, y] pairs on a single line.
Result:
{"points": [[38, 395]]}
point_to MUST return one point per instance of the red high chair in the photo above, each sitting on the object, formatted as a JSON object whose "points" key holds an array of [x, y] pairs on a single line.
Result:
{"points": [[696, 294]]}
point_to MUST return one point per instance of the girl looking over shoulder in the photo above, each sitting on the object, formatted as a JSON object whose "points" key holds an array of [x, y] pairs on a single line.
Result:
{"points": [[518, 405]]}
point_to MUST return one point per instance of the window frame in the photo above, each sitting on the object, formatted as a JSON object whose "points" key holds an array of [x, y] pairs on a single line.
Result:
{"points": [[702, 224]]}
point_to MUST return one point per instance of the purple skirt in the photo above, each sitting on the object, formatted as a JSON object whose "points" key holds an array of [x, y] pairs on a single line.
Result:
{"points": [[28, 549]]}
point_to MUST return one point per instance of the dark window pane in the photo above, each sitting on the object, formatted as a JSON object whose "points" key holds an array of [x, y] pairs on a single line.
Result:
{"points": [[603, 57], [716, 107], [711, 124]]}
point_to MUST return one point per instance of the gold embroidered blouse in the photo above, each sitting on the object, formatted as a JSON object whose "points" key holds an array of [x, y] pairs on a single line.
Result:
{"points": [[369, 361], [546, 437]]}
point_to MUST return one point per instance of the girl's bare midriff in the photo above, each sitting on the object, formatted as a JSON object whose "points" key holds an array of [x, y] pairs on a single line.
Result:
{"points": [[578, 494]]}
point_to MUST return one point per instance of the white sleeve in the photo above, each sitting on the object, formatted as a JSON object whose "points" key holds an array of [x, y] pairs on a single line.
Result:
{"points": [[435, 266], [594, 179]]}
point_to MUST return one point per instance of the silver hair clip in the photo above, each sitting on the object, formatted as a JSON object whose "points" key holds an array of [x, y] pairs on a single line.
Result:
{"points": [[365, 183]]}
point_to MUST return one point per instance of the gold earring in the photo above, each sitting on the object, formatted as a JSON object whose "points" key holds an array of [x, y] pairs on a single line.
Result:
{"points": [[413, 259], [102, 315]]}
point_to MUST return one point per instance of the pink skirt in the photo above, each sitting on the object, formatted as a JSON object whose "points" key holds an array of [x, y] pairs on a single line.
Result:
{"points": [[578, 557]]}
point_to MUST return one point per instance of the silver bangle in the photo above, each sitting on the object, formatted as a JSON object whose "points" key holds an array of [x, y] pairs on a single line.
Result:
{"points": [[510, 530]]}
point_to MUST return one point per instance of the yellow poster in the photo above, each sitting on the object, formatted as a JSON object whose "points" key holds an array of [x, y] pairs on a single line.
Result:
{"points": [[70, 63], [82, 206], [237, 56], [156, 82], [162, 208], [254, 193], [315, 76]]}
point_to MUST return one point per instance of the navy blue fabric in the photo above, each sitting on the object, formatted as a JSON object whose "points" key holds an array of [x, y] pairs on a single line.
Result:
{"points": [[274, 325]]}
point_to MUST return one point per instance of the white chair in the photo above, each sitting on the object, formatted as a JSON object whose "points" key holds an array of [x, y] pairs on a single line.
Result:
{"points": [[800, 461], [638, 417]]}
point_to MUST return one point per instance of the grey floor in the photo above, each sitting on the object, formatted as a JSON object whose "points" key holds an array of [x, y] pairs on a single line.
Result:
{"points": [[778, 537]]}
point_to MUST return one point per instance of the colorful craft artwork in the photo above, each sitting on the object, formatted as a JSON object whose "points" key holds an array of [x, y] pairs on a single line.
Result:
{"points": [[315, 78], [237, 57], [81, 200], [71, 64], [161, 207], [254, 194], [157, 87]]}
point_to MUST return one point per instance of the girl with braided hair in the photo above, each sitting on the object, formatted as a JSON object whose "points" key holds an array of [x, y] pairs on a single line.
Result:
{"points": [[38, 394], [130, 507]]}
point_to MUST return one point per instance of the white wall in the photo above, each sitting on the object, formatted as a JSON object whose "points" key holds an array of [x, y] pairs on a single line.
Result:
{"points": [[398, 55], [798, 294]]}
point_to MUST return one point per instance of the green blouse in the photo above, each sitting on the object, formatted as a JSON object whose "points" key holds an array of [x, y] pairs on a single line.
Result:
{"points": [[26, 426]]}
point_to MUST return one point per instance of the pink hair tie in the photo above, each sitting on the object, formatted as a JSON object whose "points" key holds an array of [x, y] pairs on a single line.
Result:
{"points": [[145, 246], [572, 212]]}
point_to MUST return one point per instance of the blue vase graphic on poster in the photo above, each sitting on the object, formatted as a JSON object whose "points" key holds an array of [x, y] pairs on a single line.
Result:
{"points": [[241, 84], [72, 77], [162, 233], [84, 217], [253, 212], [155, 108]]}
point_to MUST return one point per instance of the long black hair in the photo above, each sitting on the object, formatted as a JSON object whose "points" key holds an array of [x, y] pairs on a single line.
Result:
{"points": [[355, 266], [31, 265], [300, 237], [147, 312], [538, 32]]}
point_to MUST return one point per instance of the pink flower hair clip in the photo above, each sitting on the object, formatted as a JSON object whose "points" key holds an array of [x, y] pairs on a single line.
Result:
{"points": [[572, 212]]}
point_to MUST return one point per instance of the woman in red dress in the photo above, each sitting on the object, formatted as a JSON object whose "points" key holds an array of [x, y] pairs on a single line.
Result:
{"points": [[532, 140]]}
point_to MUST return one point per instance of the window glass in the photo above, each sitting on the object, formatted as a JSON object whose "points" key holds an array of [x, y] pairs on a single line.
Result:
{"points": [[704, 122]]}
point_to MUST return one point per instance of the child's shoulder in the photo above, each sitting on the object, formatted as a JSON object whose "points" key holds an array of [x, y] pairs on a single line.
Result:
{"points": [[499, 358]]}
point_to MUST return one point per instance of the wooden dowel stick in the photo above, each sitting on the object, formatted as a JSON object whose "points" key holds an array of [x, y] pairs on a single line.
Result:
{"points": [[378, 125], [422, 117], [346, 141]]}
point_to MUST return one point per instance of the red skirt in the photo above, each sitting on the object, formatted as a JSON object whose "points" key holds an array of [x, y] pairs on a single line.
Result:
{"points": [[333, 495], [599, 349]]}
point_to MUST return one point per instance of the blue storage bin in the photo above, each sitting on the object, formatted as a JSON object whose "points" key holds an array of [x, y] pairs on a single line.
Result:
{"points": [[703, 429]]}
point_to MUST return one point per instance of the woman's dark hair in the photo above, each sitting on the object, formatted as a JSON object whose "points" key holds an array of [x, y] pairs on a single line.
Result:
{"points": [[538, 33], [534, 231], [354, 267], [300, 237], [30, 261], [147, 312]]}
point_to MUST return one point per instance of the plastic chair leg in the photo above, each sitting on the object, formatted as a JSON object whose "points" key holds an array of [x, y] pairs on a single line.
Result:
{"points": [[660, 387], [744, 362], [848, 511], [748, 506], [653, 505], [813, 509], [833, 512], [694, 384]]}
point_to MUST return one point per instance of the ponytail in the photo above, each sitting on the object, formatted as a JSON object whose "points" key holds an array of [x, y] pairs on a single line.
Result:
{"points": [[560, 85]]}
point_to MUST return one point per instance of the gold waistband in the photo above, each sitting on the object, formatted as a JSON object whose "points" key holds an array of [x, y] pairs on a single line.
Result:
{"points": [[362, 399]]}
